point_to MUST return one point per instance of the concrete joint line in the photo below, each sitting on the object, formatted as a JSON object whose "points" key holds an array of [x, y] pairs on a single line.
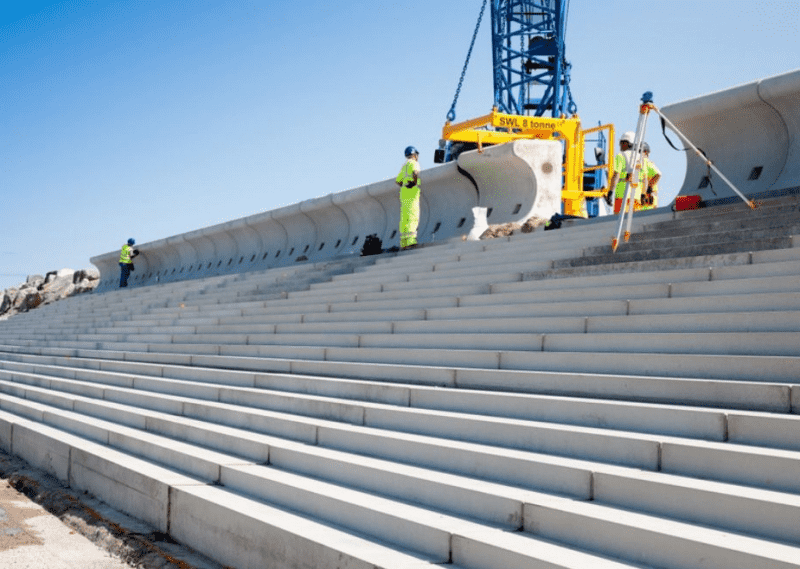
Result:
{"points": [[627, 308], [359, 340], [499, 360], [750, 258], [669, 290], [69, 480], [450, 537], [659, 453], [541, 347], [325, 352], [329, 308], [710, 273], [725, 433], [424, 313], [585, 326], [458, 302], [170, 491], [591, 486]]}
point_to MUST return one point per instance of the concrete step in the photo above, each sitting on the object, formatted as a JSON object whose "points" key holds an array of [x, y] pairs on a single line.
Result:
{"points": [[624, 254], [563, 471], [279, 488], [710, 393], [194, 512]]}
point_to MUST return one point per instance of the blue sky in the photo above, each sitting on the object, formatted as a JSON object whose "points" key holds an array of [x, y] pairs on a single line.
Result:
{"points": [[150, 118]]}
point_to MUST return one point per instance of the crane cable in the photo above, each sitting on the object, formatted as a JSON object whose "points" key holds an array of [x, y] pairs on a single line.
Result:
{"points": [[451, 114]]}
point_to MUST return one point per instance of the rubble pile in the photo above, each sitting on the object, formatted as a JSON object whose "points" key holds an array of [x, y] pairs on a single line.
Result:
{"points": [[38, 290], [506, 229]]}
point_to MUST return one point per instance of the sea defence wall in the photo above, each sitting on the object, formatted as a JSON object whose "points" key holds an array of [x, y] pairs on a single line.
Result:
{"points": [[514, 181], [750, 132]]}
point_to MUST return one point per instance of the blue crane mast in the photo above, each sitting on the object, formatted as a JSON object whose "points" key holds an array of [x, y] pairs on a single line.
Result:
{"points": [[531, 73]]}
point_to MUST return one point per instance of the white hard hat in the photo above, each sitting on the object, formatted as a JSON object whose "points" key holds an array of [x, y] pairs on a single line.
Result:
{"points": [[629, 137]]}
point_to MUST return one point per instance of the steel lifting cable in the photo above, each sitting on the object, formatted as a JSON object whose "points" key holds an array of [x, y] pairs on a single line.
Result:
{"points": [[705, 157], [451, 114]]}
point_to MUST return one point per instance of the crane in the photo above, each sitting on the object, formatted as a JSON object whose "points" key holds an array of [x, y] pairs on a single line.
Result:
{"points": [[531, 81]]}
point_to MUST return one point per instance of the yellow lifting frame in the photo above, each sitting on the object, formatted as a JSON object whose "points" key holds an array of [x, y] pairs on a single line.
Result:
{"points": [[498, 128]]}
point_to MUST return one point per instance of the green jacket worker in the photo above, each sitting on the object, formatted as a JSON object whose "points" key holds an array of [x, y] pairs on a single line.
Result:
{"points": [[126, 257], [650, 177], [409, 182]]}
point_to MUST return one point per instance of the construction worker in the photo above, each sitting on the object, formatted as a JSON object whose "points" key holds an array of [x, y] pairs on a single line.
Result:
{"points": [[618, 179], [409, 182], [651, 175], [126, 257]]}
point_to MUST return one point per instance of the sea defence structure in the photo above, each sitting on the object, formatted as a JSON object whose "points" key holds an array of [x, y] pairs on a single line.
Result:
{"points": [[527, 402], [513, 182], [750, 132]]}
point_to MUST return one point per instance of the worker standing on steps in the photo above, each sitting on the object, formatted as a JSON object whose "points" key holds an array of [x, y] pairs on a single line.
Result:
{"points": [[618, 179], [126, 257], [650, 177], [409, 182]]}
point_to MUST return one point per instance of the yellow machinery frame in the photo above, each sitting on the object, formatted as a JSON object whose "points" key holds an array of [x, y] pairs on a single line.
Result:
{"points": [[498, 128]]}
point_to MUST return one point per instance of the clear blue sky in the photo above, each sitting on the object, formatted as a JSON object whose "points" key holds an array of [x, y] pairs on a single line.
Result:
{"points": [[150, 118]]}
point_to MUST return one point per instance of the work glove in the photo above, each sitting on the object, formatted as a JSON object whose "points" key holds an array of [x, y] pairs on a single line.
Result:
{"points": [[608, 197], [410, 184]]}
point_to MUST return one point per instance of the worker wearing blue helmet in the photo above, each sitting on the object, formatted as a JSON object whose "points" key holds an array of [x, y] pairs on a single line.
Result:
{"points": [[409, 182], [126, 257]]}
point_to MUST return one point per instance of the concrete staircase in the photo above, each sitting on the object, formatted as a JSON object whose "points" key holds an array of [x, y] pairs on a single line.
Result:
{"points": [[518, 403]]}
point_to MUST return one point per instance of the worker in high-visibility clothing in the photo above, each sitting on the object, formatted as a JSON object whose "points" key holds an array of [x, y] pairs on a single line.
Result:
{"points": [[618, 179], [650, 176], [126, 257], [409, 181]]}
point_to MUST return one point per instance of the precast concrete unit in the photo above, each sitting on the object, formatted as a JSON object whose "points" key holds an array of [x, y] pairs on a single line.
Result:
{"points": [[750, 132], [514, 181]]}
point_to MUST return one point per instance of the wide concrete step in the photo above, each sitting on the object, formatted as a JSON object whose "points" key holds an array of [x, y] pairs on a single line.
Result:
{"points": [[710, 236], [350, 508], [776, 321], [641, 358], [307, 395], [196, 513], [275, 373], [624, 254], [560, 469]]}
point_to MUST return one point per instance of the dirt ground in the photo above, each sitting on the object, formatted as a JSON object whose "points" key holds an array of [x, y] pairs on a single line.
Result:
{"points": [[124, 538]]}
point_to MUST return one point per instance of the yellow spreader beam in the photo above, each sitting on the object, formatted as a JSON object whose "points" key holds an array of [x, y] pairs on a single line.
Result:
{"points": [[498, 128]]}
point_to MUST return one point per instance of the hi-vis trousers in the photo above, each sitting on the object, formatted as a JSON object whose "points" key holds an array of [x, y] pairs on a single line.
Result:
{"points": [[409, 215]]}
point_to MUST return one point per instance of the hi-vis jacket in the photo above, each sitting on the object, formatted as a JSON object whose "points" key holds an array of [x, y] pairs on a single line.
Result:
{"points": [[407, 172], [125, 254]]}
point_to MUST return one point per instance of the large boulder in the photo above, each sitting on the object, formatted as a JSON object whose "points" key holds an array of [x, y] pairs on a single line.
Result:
{"points": [[38, 290]]}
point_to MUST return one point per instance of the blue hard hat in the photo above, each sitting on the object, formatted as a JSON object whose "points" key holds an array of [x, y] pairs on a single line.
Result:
{"points": [[131, 241], [411, 150]]}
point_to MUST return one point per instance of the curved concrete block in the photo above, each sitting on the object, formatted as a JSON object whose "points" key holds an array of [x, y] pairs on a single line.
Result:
{"points": [[515, 180], [750, 132]]}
